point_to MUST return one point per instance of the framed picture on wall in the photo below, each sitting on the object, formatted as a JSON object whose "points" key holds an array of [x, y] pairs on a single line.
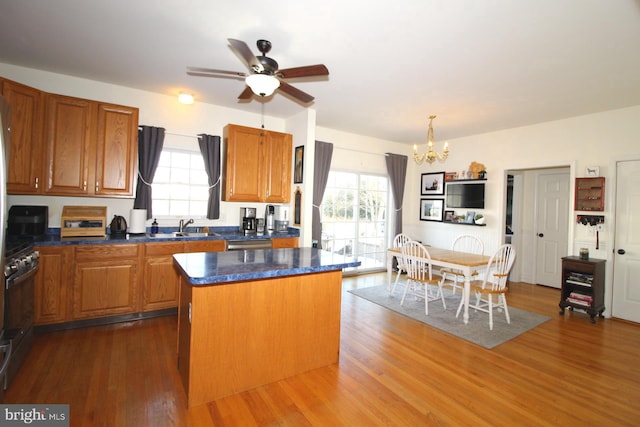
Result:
{"points": [[298, 165], [432, 184], [448, 216], [431, 209]]}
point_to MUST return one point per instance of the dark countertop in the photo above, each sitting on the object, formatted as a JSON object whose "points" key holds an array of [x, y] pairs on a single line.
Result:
{"points": [[216, 233], [205, 268]]}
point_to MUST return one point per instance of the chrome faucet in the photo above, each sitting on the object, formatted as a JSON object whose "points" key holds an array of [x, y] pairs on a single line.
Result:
{"points": [[184, 225]]}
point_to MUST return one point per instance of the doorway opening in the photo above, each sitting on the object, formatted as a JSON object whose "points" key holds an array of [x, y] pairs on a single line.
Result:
{"points": [[537, 215]]}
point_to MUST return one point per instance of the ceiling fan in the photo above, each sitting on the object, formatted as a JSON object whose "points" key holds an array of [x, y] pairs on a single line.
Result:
{"points": [[264, 76]]}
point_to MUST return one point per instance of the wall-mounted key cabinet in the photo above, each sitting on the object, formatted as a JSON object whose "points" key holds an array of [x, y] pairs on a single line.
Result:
{"points": [[589, 194]]}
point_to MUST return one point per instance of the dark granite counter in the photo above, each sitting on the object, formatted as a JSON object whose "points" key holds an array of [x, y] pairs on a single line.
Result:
{"points": [[224, 267], [218, 233]]}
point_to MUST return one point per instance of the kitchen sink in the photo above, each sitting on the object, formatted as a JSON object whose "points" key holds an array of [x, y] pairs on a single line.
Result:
{"points": [[176, 234]]}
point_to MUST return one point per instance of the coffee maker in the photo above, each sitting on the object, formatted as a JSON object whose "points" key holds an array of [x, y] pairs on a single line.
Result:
{"points": [[248, 222], [281, 221], [269, 218]]}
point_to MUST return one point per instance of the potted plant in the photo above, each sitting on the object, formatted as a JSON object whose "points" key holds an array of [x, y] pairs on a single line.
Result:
{"points": [[479, 219]]}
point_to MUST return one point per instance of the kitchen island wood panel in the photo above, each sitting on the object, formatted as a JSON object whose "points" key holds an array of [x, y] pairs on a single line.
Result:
{"points": [[243, 335], [248, 318]]}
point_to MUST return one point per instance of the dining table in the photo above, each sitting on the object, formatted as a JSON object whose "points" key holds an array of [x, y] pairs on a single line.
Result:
{"points": [[465, 262]]}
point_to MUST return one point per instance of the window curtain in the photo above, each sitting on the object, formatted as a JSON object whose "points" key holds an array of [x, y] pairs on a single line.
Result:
{"points": [[210, 149], [321, 168], [397, 170], [150, 142]]}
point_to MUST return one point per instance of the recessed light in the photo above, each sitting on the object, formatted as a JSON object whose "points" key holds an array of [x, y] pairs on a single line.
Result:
{"points": [[185, 98]]}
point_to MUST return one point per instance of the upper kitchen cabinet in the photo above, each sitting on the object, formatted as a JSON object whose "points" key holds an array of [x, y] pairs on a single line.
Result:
{"points": [[68, 143], [257, 165], [91, 147], [24, 175], [117, 148]]}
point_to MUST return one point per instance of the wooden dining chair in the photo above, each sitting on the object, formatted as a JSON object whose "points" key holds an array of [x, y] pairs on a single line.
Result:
{"points": [[420, 280], [455, 278], [494, 282], [398, 242]]}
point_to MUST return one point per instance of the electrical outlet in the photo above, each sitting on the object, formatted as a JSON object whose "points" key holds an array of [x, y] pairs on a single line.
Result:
{"points": [[599, 227]]}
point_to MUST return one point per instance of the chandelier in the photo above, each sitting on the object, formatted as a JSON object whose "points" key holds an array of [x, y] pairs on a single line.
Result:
{"points": [[431, 155]]}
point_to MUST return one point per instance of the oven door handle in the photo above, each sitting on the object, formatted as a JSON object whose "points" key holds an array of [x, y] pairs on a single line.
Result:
{"points": [[5, 347], [22, 278]]}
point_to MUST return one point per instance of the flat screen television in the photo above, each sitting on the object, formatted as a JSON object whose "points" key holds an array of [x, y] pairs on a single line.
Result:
{"points": [[465, 195]]}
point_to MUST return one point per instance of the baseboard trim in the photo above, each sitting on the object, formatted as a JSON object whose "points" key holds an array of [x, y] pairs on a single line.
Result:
{"points": [[42, 329]]}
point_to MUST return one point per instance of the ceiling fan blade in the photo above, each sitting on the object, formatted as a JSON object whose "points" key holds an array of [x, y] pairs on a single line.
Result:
{"points": [[201, 71], [295, 92], [247, 93], [308, 71], [245, 53]]}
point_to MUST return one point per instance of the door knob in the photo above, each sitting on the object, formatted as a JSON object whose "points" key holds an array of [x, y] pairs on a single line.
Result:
{"points": [[540, 234], [621, 251]]}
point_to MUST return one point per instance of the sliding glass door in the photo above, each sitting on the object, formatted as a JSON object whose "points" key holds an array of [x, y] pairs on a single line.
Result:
{"points": [[354, 218]]}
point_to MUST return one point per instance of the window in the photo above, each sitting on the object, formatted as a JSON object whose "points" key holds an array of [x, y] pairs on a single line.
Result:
{"points": [[354, 213], [180, 186]]}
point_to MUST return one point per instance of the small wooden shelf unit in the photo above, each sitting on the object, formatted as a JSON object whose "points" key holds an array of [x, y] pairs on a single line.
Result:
{"points": [[589, 194], [583, 285]]}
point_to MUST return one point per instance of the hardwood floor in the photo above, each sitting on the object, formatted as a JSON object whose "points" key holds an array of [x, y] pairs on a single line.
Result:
{"points": [[392, 371]]}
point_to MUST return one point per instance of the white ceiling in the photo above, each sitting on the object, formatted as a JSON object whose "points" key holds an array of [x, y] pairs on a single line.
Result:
{"points": [[479, 65]]}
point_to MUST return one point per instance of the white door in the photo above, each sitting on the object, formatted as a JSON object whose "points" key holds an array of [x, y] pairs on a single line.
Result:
{"points": [[552, 224], [626, 265]]}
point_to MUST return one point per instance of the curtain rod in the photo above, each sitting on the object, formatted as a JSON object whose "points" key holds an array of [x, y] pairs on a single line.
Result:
{"points": [[360, 151], [180, 134], [177, 134]]}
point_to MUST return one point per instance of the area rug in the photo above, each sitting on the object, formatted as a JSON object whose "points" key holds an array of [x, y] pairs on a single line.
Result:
{"points": [[476, 331]]}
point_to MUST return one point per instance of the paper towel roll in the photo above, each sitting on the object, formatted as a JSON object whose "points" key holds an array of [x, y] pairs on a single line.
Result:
{"points": [[137, 221]]}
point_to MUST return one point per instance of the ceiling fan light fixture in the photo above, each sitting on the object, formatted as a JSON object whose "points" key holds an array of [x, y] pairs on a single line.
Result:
{"points": [[185, 98], [262, 84]]}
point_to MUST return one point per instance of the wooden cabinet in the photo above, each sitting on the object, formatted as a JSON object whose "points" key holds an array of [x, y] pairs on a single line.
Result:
{"points": [[105, 280], [583, 285], [66, 146], [91, 147], [160, 278], [589, 194], [68, 141], [116, 150], [285, 242], [205, 246], [91, 281], [24, 174], [257, 165], [52, 284]]}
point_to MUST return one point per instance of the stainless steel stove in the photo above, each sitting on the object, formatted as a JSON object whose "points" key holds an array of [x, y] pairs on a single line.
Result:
{"points": [[21, 264]]}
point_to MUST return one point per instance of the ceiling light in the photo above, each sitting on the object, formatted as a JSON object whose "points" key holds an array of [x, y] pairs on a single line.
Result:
{"points": [[262, 84], [185, 98], [431, 155]]}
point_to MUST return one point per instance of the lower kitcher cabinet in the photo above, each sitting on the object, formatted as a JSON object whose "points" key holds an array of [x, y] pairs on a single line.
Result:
{"points": [[105, 281], [284, 242], [160, 278], [51, 291]]}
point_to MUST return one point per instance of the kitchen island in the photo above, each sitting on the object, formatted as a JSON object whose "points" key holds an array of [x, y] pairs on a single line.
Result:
{"points": [[248, 318]]}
